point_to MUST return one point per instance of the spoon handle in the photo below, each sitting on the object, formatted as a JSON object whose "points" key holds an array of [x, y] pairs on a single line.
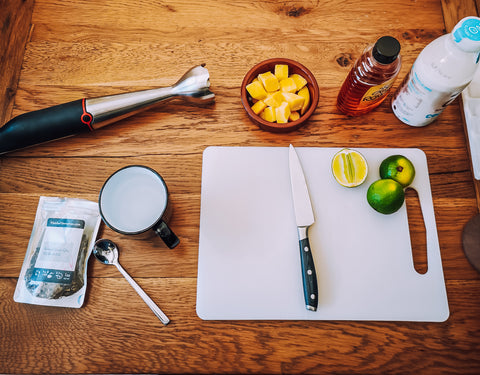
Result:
{"points": [[156, 310]]}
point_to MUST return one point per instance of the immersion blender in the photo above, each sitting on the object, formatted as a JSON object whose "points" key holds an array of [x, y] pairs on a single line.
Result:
{"points": [[68, 119]]}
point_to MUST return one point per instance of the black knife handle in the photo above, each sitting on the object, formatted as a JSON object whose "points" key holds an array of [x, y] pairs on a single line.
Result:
{"points": [[309, 276], [45, 125]]}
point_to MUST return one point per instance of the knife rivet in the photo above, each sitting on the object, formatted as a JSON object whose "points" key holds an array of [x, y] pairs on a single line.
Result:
{"points": [[309, 272], [312, 296], [306, 249]]}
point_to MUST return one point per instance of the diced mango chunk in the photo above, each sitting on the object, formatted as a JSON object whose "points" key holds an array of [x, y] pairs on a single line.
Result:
{"points": [[305, 94], [288, 85], [275, 99], [282, 113], [268, 114], [259, 107], [299, 80], [294, 116], [256, 90], [281, 72], [269, 81], [294, 101]]}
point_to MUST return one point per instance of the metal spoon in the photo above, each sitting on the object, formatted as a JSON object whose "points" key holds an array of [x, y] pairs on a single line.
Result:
{"points": [[107, 252]]}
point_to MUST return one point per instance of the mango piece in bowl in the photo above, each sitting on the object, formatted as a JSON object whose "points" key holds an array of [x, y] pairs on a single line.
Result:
{"points": [[288, 85], [281, 71], [275, 99], [306, 95], [282, 113], [294, 101], [256, 90], [299, 81], [269, 81], [258, 106], [268, 114], [294, 116]]}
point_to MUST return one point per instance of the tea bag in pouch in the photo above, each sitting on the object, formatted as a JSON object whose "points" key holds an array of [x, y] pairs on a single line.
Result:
{"points": [[54, 271]]}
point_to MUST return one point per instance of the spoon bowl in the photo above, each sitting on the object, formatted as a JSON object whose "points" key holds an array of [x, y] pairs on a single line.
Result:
{"points": [[107, 252]]}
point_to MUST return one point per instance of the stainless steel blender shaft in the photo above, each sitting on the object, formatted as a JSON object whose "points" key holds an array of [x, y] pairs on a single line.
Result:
{"points": [[193, 86]]}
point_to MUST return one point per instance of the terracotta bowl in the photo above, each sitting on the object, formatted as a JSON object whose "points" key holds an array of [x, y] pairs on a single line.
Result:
{"points": [[293, 67]]}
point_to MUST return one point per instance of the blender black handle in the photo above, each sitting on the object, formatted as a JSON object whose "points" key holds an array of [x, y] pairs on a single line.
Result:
{"points": [[45, 125]]}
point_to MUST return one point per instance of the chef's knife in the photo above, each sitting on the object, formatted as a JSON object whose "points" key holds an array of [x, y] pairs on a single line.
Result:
{"points": [[304, 218]]}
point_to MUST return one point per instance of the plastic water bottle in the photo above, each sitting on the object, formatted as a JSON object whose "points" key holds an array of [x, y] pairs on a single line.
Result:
{"points": [[439, 74], [371, 78]]}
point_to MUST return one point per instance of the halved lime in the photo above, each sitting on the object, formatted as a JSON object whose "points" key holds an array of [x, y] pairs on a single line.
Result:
{"points": [[386, 196], [349, 168]]}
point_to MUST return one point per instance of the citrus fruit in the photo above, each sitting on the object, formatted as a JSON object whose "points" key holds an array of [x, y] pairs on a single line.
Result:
{"points": [[398, 168], [386, 195], [349, 167]]}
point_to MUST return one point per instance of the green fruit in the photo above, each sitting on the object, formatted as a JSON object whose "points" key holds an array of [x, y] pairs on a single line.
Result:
{"points": [[386, 196], [398, 168]]}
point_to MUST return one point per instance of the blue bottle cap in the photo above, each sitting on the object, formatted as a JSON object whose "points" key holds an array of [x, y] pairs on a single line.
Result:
{"points": [[466, 34]]}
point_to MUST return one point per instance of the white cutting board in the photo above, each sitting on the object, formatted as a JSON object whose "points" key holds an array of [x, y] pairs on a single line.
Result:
{"points": [[249, 261]]}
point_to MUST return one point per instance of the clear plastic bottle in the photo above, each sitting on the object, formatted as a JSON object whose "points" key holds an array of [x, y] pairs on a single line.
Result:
{"points": [[371, 78], [439, 74]]}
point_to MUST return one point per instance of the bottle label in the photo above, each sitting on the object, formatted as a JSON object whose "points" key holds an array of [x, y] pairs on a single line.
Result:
{"points": [[417, 104], [376, 93]]}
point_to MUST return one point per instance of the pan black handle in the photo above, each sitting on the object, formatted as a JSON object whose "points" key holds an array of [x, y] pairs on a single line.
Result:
{"points": [[45, 125]]}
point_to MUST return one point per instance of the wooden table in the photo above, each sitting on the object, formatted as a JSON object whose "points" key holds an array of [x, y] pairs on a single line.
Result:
{"points": [[53, 52]]}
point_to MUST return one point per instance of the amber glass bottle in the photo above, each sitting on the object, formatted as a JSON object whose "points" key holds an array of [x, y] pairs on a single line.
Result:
{"points": [[371, 78]]}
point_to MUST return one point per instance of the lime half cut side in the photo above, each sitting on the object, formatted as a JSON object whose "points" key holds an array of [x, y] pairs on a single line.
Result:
{"points": [[349, 168]]}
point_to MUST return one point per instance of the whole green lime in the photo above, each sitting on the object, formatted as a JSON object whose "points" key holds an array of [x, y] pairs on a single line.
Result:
{"points": [[398, 168], [386, 196]]}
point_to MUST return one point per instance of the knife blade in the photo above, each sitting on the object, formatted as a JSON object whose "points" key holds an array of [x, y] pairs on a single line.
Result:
{"points": [[304, 219]]}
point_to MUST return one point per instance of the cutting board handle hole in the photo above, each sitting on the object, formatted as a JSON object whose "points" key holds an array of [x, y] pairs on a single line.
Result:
{"points": [[418, 233]]}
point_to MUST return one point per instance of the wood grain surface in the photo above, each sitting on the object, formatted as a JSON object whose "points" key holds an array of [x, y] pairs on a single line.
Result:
{"points": [[60, 51], [15, 20]]}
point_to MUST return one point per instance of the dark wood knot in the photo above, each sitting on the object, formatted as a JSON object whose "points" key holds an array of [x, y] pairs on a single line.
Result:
{"points": [[344, 59]]}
